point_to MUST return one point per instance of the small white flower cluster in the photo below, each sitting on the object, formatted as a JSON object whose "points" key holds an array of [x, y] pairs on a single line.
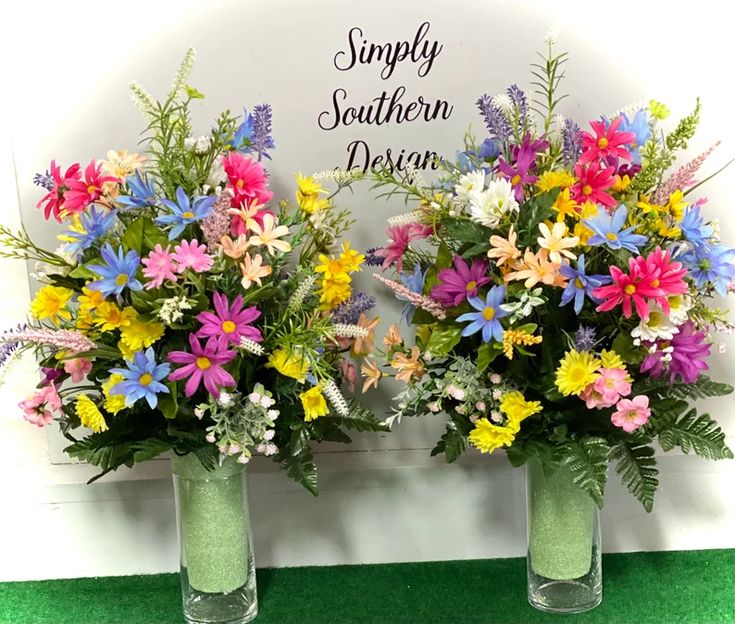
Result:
{"points": [[302, 292], [198, 145], [339, 176], [246, 344], [406, 218], [525, 303], [335, 397], [414, 177], [346, 330], [172, 309]]}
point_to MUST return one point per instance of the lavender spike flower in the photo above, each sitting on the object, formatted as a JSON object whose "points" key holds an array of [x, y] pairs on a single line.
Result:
{"points": [[7, 348], [44, 180], [262, 125], [520, 103], [372, 258], [495, 120], [572, 141], [217, 224], [349, 311]]}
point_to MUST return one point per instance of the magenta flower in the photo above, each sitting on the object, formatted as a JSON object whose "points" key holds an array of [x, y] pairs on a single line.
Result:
{"points": [[231, 322], [607, 142], [632, 413], [400, 236], [203, 364], [684, 355], [159, 266], [192, 255], [461, 282]]}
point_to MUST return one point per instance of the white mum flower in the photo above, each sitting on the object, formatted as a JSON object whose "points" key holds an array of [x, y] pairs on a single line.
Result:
{"points": [[656, 326], [488, 206]]}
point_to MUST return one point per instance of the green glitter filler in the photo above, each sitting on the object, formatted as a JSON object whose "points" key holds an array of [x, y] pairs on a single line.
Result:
{"points": [[213, 523], [560, 524]]}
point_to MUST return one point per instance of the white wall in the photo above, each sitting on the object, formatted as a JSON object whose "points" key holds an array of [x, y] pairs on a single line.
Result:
{"points": [[384, 500]]}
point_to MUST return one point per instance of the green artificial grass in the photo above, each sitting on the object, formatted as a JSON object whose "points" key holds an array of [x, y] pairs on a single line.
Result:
{"points": [[640, 588]]}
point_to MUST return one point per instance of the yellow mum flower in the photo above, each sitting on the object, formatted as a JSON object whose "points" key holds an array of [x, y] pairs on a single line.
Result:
{"points": [[621, 183], [314, 403], [351, 259], [565, 206], [307, 195], [333, 268], [289, 364], [107, 316], [334, 292], [90, 299], [576, 371], [488, 437], [554, 179], [676, 205], [50, 303], [610, 359], [113, 402], [516, 408], [137, 335], [89, 414]]}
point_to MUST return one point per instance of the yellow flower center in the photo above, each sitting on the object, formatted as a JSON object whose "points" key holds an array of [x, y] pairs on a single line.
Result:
{"points": [[602, 142], [121, 279], [611, 236], [471, 285], [188, 214], [516, 179], [629, 289], [586, 190], [240, 183], [145, 379], [228, 327], [655, 283], [577, 373], [488, 313], [578, 283], [92, 189], [203, 363]]}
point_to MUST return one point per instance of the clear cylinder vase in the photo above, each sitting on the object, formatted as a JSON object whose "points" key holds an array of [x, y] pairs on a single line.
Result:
{"points": [[564, 562], [217, 563]]}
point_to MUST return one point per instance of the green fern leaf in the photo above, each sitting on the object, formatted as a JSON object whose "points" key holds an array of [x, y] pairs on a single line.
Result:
{"points": [[587, 459], [698, 433], [636, 466]]}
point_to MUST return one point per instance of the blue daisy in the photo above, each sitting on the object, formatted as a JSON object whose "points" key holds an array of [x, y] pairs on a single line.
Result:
{"points": [[142, 378]]}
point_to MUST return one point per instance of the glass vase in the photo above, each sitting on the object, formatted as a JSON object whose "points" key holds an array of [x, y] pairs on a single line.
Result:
{"points": [[564, 563], [217, 563]]}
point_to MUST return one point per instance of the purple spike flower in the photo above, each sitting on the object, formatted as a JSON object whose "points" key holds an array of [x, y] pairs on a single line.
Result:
{"points": [[262, 125], [44, 180], [572, 141], [518, 97], [373, 258], [495, 120], [585, 338], [349, 311]]}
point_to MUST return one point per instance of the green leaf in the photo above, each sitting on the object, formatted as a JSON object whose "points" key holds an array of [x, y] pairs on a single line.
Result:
{"points": [[443, 256], [667, 410], [443, 339], [301, 468], [478, 249], [299, 438], [168, 404], [149, 448], [358, 419], [487, 353], [587, 459], [142, 235], [698, 433], [533, 213], [465, 231], [636, 466], [453, 443], [520, 452], [628, 352], [703, 388], [82, 272], [193, 93]]}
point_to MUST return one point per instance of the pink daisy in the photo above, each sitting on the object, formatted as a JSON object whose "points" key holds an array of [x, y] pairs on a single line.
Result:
{"points": [[53, 201], [592, 184], [247, 180], [607, 142], [159, 266], [460, 283], [81, 193], [636, 288], [400, 236], [203, 364], [631, 413], [192, 255], [231, 322]]}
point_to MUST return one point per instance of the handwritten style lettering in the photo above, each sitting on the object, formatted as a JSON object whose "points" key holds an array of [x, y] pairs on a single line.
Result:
{"points": [[359, 156], [420, 50]]}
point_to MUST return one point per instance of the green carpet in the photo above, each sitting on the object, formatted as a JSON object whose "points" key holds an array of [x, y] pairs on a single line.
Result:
{"points": [[693, 587]]}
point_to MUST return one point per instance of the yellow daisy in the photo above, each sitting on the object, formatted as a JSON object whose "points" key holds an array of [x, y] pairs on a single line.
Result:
{"points": [[351, 259], [89, 415], [308, 195], [554, 179], [137, 335], [50, 303], [576, 371], [107, 316], [565, 206], [488, 437], [113, 402], [314, 403], [516, 408], [289, 364]]}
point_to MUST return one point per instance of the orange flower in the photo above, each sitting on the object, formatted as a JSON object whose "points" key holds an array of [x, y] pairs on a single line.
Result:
{"points": [[504, 250], [235, 249], [253, 269], [364, 346], [393, 338], [371, 373], [408, 367], [537, 268]]}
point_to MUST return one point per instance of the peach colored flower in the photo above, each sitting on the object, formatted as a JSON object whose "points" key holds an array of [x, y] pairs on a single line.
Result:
{"points": [[253, 269], [393, 338], [364, 346], [235, 249], [556, 241], [504, 250], [408, 367], [537, 268], [247, 214], [371, 373], [269, 234]]}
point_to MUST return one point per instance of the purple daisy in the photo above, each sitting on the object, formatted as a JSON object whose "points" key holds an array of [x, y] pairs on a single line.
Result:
{"points": [[461, 282], [203, 364], [685, 355], [231, 322]]}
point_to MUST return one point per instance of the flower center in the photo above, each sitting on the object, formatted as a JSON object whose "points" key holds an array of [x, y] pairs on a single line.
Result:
{"points": [[92, 189], [629, 289], [228, 327], [611, 236], [586, 190], [145, 379], [577, 373], [240, 183], [516, 179], [121, 279], [602, 142], [203, 363], [578, 283], [471, 285], [188, 214], [655, 283], [488, 313]]}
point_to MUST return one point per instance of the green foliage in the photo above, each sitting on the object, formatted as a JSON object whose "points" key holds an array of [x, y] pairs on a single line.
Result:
{"points": [[524, 449], [453, 443], [444, 338], [358, 419], [587, 459], [534, 212], [301, 468], [465, 231], [486, 353], [636, 466], [679, 138], [628, 352], [548, 75], [702, 388], [142, 235], [698, 433]]}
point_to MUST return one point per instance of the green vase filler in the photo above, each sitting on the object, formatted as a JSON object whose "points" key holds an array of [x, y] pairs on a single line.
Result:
{"points": [[213, 524], [561, 521]]}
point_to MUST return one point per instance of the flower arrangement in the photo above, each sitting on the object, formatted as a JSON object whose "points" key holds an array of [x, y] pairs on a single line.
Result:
{"points": [[560, 281], [182, 311]]}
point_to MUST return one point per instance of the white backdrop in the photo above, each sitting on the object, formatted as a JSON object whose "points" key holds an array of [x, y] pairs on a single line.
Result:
{"points": [[384, 499]]}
